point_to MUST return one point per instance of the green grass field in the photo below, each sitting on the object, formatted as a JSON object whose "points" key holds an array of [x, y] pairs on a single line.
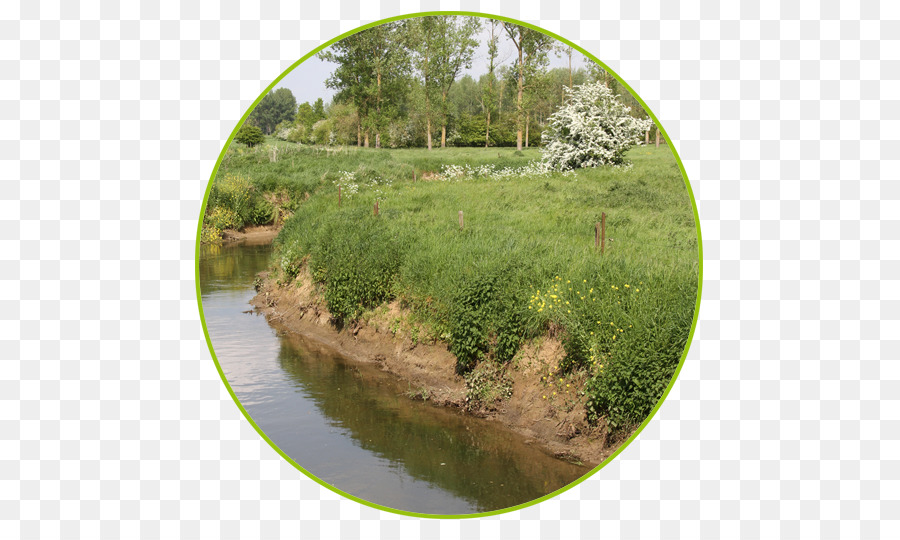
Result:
{"points": [[523, 266]]}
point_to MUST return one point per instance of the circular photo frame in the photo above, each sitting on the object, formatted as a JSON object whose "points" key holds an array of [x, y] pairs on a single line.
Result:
{"points": [[460, 277]]}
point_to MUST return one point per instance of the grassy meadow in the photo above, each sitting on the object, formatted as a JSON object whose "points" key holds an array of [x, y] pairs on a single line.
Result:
{"points": [[524, 265]]}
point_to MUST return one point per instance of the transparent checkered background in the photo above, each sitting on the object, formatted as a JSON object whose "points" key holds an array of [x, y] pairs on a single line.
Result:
{"points": [[785, 419]]}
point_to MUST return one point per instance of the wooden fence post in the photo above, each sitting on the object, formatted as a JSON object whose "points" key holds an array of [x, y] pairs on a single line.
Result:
{"points": [[602, 232], [657, 137], [376, 208], [596, 235], [460, 220]]}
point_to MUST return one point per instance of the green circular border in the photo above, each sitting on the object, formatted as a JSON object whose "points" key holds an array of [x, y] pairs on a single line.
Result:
{"points": [[511, 508]]}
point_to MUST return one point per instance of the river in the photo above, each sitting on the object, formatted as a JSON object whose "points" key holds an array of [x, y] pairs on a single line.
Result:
{"points": [[351, 425]]}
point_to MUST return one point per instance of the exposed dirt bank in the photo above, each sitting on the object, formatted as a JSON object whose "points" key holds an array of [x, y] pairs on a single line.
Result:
{"points": [[540, 406], [261, 234]]}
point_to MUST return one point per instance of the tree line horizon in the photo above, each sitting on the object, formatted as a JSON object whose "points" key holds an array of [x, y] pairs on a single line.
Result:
{"points": [[400, 84]]}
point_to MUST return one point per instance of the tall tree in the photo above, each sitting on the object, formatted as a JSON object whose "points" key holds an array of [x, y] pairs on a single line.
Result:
{"points": [[488, 95], [532, 47], [273, 109], [318, 109], [389, 58], [456, 50], [444, 46], [351, 77]]}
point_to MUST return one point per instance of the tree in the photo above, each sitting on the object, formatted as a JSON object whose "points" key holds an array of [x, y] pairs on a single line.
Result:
{"points": [[455, 51], [273, 109], [532, 47], [371, 65], [444, 45], [389, 59], [425, 34], [319, 109], [349, 78], [488, 95], [306, 117], [249, 135], [592, 128]]}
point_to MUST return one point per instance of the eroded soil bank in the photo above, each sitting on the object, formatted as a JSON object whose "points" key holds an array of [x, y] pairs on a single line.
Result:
{"points": [[253, 235], [539, 407]]}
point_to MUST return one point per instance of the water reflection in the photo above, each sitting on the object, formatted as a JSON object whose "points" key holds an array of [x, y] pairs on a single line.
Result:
{"points": [[350, 424]]}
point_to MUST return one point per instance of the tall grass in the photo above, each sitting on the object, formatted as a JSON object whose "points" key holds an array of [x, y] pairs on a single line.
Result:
{"points": [[624, 317]]}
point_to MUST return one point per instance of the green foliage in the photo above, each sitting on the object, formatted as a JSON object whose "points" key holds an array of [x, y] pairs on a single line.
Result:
{"points": [[628, 388], [274, 108], [469, 323], [575, 344], [471, 287], [249, 135], [357, 264], [235, 202], [510, 333]]}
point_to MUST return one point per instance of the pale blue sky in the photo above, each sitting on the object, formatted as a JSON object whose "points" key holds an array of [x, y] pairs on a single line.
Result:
{"points": [[307, 81]]}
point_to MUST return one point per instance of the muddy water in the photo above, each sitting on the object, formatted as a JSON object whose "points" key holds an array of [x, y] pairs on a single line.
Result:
{"points": [[353, 426]]}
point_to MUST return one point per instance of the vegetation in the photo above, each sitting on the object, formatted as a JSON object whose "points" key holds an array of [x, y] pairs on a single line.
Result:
{"points": [[274, 108], [592, 128], [249, 135], [524, 264], [402, 85]]}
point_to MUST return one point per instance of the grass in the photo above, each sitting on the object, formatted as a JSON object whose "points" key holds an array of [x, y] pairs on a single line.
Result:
{"points": [[523, 266]]}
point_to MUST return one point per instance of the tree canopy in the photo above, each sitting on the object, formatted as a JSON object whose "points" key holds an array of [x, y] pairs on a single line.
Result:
{"points": [[403, 83], [274, 108]]}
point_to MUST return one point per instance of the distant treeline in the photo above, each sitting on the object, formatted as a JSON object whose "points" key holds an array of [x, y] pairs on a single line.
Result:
{"points": [[400, 84]]}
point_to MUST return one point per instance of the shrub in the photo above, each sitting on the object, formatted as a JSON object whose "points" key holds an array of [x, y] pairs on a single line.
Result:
{"points": [[249, 135], [509, 337], [626, 390], [592, 128], [297, 134], [231, 201], [630, 381], [469, 323]]}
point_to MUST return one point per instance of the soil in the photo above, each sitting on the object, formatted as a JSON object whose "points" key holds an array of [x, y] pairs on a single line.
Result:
{"points": [[262, 234], [386, 336]]}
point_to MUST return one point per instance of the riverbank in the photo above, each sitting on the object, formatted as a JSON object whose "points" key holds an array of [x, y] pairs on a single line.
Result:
{"points": [[528, 395], [252, 235]]}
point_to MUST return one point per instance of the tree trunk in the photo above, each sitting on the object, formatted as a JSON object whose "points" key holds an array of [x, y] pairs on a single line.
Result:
{"points": [[527, 125], [367, 139], [443, 119], [428, 134], [487, 130], [378, 111], [358, 132], [519, 97]]}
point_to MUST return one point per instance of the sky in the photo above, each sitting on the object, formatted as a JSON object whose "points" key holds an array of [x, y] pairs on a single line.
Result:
{"points": [[307, 81]]}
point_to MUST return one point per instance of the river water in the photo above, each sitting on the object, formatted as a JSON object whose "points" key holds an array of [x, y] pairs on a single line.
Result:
{"points": [[351, 425]]}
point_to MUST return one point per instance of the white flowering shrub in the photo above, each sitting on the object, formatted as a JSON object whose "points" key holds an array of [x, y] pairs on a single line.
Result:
{"points": [[592, 128], [533, 169]]}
